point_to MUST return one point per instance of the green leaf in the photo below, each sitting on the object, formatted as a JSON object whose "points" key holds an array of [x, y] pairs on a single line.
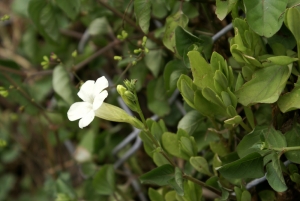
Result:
{"points": [[274, 138], [279, 60], [264, 17], [104, 181], [184, 39], [250, 166], [170, 144], [251, 143], [201, 165], [172, 72], [70, 7], [44, 18], [224, 7], [265, 86], [154, 195], [267, 195], [64, 187], [192, 191], [159, 176], [291, 21], [191, 121], [186, 87], [61, 84], [293, 139], [219, 148], [274, 174], [178, 19], [154, 58], [157, 100], [289, 101], [234, 120], [142, 10], [246, 196], [99, 26], [202, 72]]}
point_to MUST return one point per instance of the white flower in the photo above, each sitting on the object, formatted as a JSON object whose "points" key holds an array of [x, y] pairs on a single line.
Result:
{"points": [[93, 95]]}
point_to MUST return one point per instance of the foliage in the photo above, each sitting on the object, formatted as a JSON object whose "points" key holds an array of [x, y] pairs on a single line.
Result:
{"points": [[236, 118]]}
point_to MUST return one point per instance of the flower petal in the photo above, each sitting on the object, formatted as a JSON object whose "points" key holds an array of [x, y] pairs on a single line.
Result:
{"points": [[101, 83], [99, 98], [87, 119], [78, 110], [86, 91]]}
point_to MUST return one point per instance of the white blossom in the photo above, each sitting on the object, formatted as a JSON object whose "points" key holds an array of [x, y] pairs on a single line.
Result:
{"points": [[93, 94]]}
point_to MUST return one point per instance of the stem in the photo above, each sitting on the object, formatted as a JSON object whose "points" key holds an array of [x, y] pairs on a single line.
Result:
{"points": [[214, 123], [286, 149], [245, 127], [200, 183]]}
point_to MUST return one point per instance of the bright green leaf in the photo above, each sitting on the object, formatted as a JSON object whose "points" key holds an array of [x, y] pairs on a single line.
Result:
{"points": [[264, 17]]}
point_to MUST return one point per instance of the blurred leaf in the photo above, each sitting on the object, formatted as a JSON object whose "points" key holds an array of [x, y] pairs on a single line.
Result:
{"points": [[63, 187], [172, 72], [99, 26], [7, 183], [139, 72], [154, 195], [264, 17], [142, 10], [250, 166], [267, 195], [44, 18], [154, 58], [157, 100], [104, 181], [70, 7], [62, 85], [159, 176]]}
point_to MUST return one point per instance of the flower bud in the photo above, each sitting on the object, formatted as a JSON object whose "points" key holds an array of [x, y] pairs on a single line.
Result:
{"points": [[133, 63], [117, 58], [124, 34], [136, 51], [74, 54], [146, 50], [144, 40], [130, 96], [121, 89], [3, 92], [130, 85], [2, 143]]}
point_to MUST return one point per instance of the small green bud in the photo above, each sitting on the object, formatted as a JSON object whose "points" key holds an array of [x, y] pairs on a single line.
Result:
{"points": [[53, 56], [130, 85], [133, 63], [124, 34], [3, 143], [74, 54], [144, 41], [146, 50], [4, 17], [136, 51], [121, 90], [117, 58], [120, 37], [3, 92], [131, 104], [130, 95]]}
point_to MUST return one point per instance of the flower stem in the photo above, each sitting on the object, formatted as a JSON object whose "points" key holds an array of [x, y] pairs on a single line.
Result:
{"points": [[286, 149]]}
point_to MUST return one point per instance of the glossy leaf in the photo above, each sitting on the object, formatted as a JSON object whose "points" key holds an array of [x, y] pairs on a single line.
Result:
{"points": [[250, 166], [142, 10], [104, 181], [264, 17], [265, 86]]}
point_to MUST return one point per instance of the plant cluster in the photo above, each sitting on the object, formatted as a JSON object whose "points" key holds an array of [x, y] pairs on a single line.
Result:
{"points": [[227, 102]]}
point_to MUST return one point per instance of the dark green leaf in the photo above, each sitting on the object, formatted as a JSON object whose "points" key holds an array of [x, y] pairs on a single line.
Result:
{"points": [[104, 181], [159, 176], [172, 72], [250, 166], [142, 9], [293, 139], [70, 7]]}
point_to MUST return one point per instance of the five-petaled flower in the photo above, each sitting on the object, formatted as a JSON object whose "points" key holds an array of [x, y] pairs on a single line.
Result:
{"points": [[93, 95]]}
